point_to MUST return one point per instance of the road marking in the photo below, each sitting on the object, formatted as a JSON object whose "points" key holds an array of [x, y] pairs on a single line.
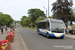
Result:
{"points": [[23, 43]]}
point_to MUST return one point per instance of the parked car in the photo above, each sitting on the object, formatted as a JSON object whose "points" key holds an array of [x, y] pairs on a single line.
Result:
{"points": [[72, 31]]}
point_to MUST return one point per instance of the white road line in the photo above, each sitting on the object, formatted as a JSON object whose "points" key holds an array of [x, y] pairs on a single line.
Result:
{"points": [[23, 43]]}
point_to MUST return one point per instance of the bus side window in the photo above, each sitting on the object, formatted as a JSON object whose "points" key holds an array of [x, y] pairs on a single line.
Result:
{"points": [[45, 25], [38, 25], [42, 25]]}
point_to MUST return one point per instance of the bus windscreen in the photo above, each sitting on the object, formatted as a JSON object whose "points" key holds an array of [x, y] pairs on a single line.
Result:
{"points": [[57, 26]]}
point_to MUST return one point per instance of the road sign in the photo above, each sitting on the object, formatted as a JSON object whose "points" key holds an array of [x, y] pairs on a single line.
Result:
{"points": [[10, 23]]}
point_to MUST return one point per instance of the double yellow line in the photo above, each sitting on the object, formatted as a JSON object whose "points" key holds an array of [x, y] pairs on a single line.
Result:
{"points": [[25, 47]]}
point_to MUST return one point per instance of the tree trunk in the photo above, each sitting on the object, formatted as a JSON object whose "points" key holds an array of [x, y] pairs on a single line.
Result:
{"points": [[70, 22], [66, 23]]}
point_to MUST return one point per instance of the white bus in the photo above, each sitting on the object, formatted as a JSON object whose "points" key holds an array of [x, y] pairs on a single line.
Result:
{"points": [[51, 28]]}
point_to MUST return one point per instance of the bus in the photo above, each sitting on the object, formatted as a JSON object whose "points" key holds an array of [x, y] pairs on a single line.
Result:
{"points": [[51, 28]]}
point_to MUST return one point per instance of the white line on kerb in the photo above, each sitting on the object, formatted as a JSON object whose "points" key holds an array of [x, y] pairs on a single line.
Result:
{"points": [[23, 43]]}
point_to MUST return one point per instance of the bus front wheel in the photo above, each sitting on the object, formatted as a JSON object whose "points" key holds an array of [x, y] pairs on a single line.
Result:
{"points": [[47, 35]]}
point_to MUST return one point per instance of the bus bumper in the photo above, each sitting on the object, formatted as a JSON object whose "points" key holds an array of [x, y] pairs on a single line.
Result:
{"points": [[52, 35]]}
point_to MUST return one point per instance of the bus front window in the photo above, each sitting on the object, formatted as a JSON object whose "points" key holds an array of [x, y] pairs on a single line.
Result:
{"points": [[57, 27]]}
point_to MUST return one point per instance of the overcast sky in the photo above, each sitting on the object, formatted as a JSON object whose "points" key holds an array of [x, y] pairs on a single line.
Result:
{"points": [[19, 8]]}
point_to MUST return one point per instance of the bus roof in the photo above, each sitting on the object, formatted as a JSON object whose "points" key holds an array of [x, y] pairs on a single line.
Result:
{"points": [[52, 20]]}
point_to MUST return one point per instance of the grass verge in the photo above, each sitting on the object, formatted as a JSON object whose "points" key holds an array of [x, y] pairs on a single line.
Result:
{"points": [[31, 28], [68, 33]]}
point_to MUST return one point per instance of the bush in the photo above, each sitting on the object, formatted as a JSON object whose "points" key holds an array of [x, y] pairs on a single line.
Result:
{"points": [[12, 26]]}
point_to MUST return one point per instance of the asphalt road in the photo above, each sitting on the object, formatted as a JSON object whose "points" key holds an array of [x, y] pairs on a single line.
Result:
{"points": [[33, 41]]}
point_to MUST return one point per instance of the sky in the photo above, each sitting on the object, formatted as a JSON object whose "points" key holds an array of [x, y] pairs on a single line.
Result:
{"points": [[19, 8]]}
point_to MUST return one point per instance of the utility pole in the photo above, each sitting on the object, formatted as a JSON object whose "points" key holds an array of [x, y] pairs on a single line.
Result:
{"points": [[48, 8]]}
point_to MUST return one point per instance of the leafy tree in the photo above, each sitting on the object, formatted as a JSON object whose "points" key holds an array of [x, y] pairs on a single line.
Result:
{"points": [[22, 19], [62, 9], [39, 19], [51, 17], [8, 19], [5, 19], [1, 13], [35, 14], [73, 14], [32, 24], [26, 21], [2, 20]]}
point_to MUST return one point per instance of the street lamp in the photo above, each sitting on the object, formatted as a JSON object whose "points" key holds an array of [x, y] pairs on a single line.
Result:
{"points": [[46, 10]]}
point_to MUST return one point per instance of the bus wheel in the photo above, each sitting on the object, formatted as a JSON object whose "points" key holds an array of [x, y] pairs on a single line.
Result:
{"points": [[62, 37], [47, 35]]}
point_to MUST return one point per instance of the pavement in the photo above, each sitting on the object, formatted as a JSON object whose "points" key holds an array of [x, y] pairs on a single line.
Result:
{"points": [[3, 36], [8, 29], [5, 33], [70, 36], [18, 43]]}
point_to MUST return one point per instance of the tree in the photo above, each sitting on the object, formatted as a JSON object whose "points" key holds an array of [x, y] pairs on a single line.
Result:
{"points": [[39, 19], [8, 19], [62, 9], [22, 19], [5, 19], [26, 21], [35, 14], [73, 14], [51, 17]]}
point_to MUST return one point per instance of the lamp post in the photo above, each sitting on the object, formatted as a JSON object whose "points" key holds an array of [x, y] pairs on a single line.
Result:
{"points": [[48, 8], [46, 11]]}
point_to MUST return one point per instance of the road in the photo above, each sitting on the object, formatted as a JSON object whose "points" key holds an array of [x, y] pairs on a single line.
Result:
{"points": [[33, 41]]}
